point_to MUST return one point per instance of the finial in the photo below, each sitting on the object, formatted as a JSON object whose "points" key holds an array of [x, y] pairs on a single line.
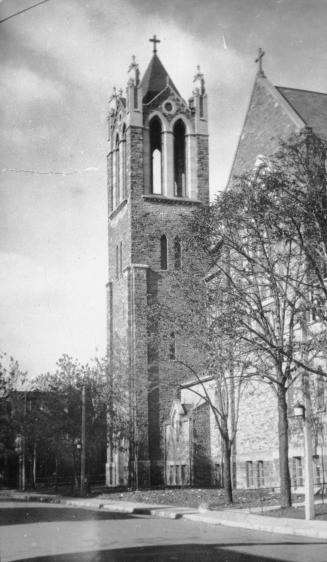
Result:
{"points": [[133, 72], [133, 63], [199, 81], [154, 40], [113, 101], [259, 58]]}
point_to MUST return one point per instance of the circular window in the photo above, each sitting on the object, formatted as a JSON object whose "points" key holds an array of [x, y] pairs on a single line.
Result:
{"points": [[169, 107]]}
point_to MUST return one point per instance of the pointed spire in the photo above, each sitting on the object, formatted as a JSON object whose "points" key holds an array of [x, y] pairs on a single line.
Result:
{"points": [[155, 80]]}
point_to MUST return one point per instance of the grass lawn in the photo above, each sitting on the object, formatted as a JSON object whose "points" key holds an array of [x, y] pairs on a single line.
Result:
{"points": [[213, 498]]}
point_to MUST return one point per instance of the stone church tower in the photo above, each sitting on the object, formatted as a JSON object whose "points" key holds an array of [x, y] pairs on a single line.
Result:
{"points": [[157, 173]]}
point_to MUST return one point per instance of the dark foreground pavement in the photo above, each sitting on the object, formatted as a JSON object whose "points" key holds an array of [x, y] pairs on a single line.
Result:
{"points": [[37, 532]]}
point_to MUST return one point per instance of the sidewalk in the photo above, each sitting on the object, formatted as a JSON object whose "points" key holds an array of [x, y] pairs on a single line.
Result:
{"points": [[229, 517]]}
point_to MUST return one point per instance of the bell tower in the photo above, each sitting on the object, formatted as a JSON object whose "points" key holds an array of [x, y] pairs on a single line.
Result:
{"points": [[157, 167]]}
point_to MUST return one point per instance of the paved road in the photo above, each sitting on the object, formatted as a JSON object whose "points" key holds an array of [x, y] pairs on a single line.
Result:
{"points": [[53, 533]]}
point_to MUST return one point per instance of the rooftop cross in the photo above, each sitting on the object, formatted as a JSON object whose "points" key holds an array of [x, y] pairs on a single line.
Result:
{"points": [[261, 54], [154, 40]]}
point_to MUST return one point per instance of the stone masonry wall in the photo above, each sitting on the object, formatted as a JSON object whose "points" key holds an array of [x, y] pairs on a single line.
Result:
{"points": [[257, 435], [266, 122], [203, 168]]}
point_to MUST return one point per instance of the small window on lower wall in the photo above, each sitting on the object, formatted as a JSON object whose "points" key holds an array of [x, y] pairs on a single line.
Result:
{"points": [[183, 474], [249, 474], [177, 475], [297, 472], [260, 474], [317, 470], [171, 475]]}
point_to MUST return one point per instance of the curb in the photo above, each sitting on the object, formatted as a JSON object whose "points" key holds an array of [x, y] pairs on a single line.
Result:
{"points": [[228, 518], [283, 526]]}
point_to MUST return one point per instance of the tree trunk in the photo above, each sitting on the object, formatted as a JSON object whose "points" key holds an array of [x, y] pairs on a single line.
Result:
{"points": [[228, 493], [284, 472], [34, 466], [56, 473]]}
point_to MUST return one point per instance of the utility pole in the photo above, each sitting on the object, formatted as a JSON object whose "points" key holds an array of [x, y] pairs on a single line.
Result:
{"points": [[307, 431], [308, 467], [83, 443]]}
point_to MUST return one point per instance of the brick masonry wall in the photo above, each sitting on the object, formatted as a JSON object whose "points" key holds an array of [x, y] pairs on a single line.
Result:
{"points": [[203, 168]]}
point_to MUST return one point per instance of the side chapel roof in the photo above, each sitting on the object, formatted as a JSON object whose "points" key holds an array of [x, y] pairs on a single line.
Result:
{"points": [[156, 79]]}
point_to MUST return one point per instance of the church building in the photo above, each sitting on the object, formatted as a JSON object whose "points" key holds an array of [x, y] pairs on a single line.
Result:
{"points": [[157, 173]]}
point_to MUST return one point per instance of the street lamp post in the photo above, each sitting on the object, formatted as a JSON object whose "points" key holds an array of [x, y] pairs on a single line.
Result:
{"points": [[304, 412]]}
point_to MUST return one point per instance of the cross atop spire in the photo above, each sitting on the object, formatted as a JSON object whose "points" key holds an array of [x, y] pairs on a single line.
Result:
{"points": [[154, 40], [259, 58]]}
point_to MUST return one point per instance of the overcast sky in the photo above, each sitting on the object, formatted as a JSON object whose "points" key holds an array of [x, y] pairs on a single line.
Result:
{"points": [[60, 62]]}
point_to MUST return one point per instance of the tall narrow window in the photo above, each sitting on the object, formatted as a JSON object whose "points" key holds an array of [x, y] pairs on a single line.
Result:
{"points": [[260, 474], [249, 474], [123, 164], [163, 253], [177, 253], [172, 347], [110, 182], [297, 472], [179, 160], [117, 172], [156, 155], [201, 106], [135, 97]]}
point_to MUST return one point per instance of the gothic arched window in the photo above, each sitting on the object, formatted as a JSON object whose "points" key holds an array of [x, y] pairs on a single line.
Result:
{"points": [[163, 252], [116, 173], [156, 155], [123, 164], [179, 159], [177, 253], [172, 346]]}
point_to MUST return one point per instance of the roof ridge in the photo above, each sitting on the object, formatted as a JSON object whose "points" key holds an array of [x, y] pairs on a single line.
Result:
{"points": [[301, 90]]}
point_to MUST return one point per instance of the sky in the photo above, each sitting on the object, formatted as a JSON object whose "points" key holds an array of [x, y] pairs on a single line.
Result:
{"points": [[59, 64]]}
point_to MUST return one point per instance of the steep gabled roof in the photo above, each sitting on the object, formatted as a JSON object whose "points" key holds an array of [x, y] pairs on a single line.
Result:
{"points": [[310, 106], [275, 113], [155, 80]]}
